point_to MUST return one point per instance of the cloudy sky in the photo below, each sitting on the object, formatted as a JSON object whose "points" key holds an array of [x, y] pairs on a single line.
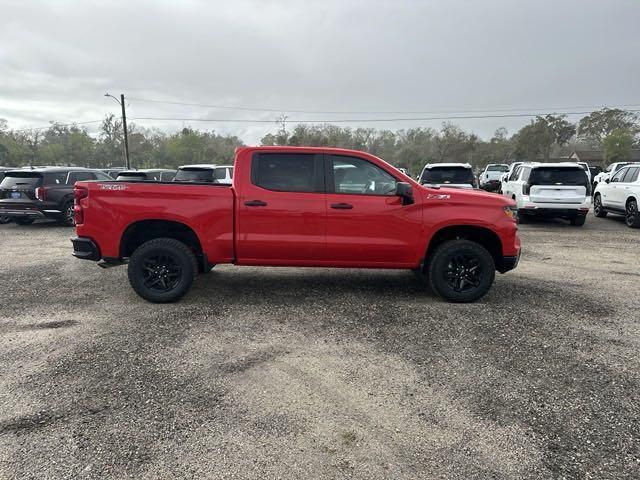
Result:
{"points": [[352, 60]]}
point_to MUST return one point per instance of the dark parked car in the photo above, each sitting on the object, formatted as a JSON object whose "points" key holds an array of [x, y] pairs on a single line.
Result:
{"points": [[4, 219], [29, 194], [149, 175]]}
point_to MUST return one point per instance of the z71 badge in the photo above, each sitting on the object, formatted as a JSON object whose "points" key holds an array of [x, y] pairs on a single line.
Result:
{"points": [[439, 196], [113, 186]]}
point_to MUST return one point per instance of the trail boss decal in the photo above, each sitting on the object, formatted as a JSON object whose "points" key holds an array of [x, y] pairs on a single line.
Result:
{"points": [[112, 186]]}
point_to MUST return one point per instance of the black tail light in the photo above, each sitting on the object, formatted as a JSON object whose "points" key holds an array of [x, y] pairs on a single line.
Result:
{"points": [[526, 188]]}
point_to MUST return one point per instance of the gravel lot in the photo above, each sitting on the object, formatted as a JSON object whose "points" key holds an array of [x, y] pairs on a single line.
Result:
{"points": [[303, 373]]}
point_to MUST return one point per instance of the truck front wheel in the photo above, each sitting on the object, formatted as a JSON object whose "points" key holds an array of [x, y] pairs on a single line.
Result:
{"points": [[461, 271], [162, 270]]}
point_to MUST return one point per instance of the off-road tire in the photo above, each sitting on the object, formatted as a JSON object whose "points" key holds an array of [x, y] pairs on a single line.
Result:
{"points": [[442, 262], [176, 257]]}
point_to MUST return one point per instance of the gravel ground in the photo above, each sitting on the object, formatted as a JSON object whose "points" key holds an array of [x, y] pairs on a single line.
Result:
{"points": [[304, 373]]}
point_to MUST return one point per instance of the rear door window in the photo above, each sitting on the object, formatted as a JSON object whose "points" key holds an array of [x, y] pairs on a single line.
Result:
{"points": [[167, 176], [287, 172], [631, 175], [558, 176]]}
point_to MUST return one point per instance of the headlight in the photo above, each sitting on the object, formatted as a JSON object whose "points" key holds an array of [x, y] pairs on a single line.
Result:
{"points": [[511, 212]]}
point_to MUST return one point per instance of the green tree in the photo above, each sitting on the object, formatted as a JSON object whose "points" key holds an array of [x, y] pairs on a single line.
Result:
{"points": [[596, 126], [538, 138], [618, 146]]}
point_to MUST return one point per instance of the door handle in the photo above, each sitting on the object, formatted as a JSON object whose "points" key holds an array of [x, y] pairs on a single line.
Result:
{"points": [[255, 203], [342, 206]]}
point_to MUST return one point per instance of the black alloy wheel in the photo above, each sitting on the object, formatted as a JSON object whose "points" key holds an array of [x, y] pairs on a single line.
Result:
{"points": [[598, 210], [632, 218], [463, 273], [162, 270], [461, 270], [161, 273]]}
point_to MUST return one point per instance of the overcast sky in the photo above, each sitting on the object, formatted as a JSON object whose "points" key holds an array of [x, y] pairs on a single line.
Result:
{"points": [[58, 58]]}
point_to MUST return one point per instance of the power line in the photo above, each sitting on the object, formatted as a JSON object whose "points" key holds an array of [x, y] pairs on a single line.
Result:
{"points": [[367, 120], [370, 112], [53, 124]]}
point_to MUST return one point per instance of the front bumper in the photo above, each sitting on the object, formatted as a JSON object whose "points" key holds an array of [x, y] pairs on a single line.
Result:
{"points": [[509, 263], [85, 249]]}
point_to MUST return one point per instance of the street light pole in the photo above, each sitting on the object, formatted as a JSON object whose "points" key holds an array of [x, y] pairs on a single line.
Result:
{"points": [[124, 126], [126, 136]]}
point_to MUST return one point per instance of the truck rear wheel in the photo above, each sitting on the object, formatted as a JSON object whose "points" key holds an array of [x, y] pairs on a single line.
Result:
{"points": [[162, 270], [461, 271]]}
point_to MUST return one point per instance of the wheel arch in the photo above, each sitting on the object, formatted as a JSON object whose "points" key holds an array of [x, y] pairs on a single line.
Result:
{"points": [[479, 234], [142, 231]]}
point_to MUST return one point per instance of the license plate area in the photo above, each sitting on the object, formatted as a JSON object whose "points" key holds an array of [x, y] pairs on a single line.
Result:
{"points": [[15, 195]]}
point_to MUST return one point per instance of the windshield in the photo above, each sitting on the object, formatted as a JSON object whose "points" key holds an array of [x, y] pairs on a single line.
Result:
{"points": [[454, 175], [194, 175], [558, 176], [497, 168]]}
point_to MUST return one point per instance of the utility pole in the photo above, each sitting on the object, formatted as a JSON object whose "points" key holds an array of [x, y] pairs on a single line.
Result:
{"points": [[124, 127], [126, 136]]}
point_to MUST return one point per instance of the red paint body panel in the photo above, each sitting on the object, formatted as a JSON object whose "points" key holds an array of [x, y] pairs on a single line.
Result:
{"points": [[294, 228]]}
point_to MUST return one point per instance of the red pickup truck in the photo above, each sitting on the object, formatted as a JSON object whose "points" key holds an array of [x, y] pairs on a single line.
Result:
{"points": [[297, 206]]}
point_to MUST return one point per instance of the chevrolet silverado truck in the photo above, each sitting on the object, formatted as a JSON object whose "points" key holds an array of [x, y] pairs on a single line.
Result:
{"points": [[297, 207]]}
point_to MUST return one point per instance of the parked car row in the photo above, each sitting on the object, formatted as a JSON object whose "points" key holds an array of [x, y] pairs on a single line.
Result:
{"points": [[550, 190], [28, 194], [620, 195]]}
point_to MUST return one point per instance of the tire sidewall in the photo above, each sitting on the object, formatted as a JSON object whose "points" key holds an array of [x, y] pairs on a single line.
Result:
{"points": [[65, 219], [181, 255], [635, 221], [440, 261]]}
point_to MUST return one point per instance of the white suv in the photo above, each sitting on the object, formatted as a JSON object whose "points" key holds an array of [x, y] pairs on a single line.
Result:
{"points": [[459, 175], [610, 170], [620, 195], [551, 190]]}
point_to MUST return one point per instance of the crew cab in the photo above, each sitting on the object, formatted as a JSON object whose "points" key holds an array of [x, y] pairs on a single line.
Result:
{"points": [[620, 195], [459, 175], [297, 206], [552, 190], [491, 175], [29, 194]]}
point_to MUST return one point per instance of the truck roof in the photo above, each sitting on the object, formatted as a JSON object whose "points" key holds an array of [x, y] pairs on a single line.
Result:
{"points": [[435, 165]]}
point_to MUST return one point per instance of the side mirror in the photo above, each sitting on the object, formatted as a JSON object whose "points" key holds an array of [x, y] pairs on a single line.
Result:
{"points": [[405, 190], [607, 180]]}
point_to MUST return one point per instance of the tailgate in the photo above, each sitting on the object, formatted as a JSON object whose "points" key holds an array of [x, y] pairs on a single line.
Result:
{"points": [[558, 193]]}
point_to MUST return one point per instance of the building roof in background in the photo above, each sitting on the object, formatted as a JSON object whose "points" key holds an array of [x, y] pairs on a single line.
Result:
{"points": [[597, 156]]}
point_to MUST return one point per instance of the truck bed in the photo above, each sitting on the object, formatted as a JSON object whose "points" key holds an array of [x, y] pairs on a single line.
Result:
{"points": [[206, 208]]}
